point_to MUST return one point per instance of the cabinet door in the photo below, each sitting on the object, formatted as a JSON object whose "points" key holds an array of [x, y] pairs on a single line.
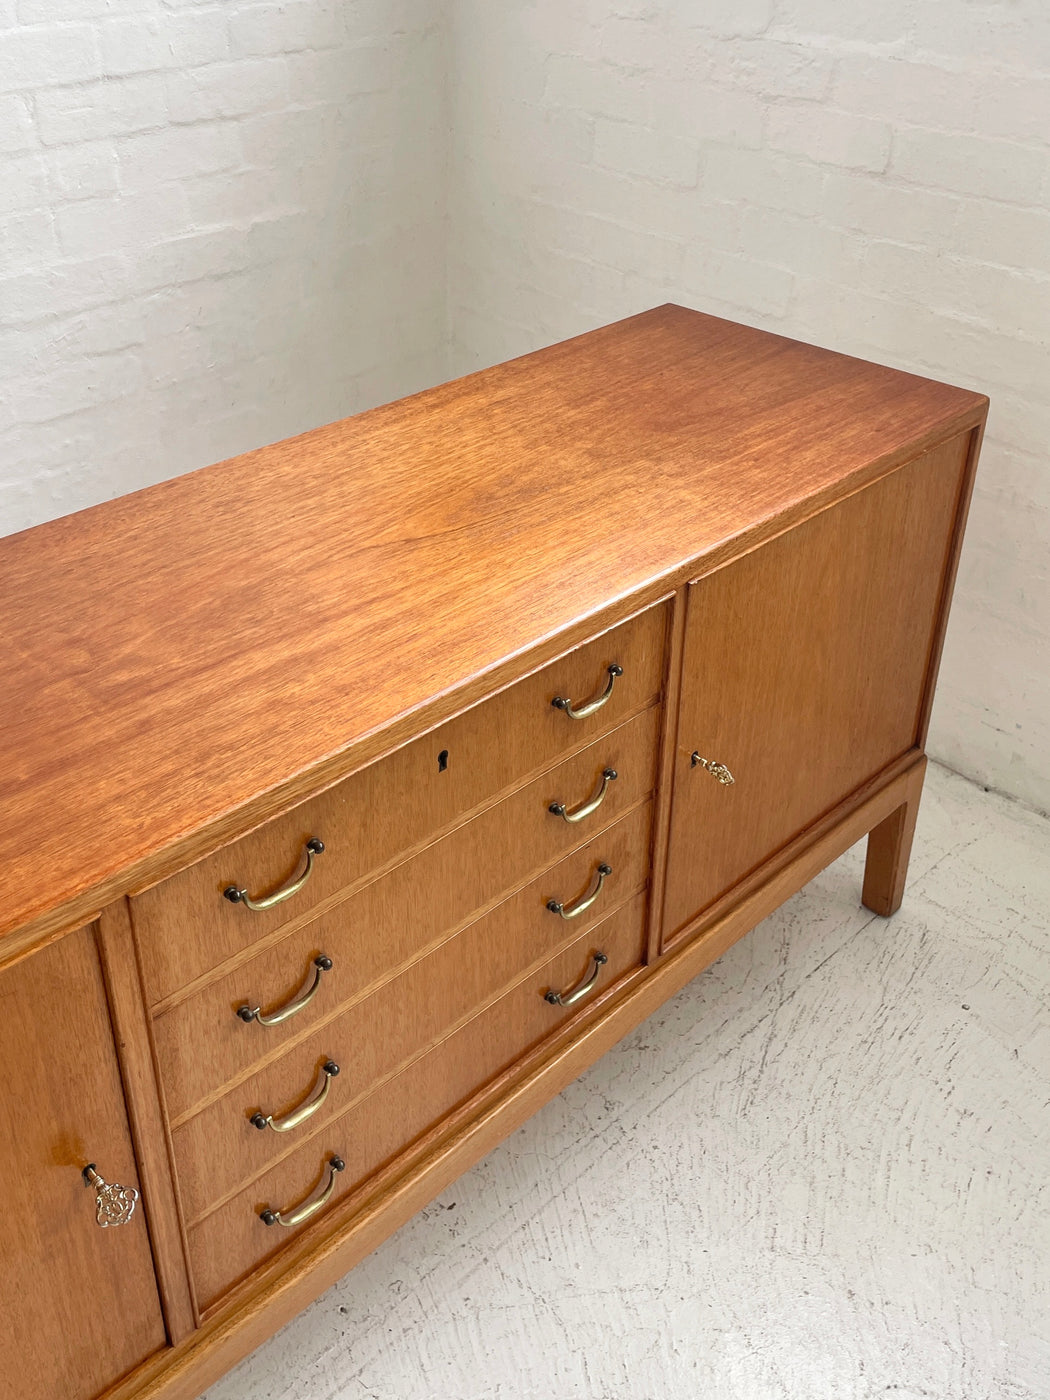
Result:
{"points": [[804, 673], [78, 1303]]}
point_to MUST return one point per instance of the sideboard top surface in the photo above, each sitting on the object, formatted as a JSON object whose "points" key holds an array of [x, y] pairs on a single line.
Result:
{"points": [[189, 652]]}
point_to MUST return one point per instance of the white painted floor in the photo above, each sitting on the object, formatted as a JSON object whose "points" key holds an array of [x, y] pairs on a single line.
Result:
{"points": [[820, 1171]]}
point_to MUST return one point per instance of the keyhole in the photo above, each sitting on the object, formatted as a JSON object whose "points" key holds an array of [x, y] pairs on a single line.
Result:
{"points": [[442, 760]]}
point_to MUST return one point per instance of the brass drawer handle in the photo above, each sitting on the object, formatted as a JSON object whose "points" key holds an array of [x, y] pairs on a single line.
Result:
{"points": [[717, 770], [609, 775], [573, 911], [581, 712], [236, 895], [114, 1205], [578, 993], [299, 1214], [247, 1013], [306, 1109]]}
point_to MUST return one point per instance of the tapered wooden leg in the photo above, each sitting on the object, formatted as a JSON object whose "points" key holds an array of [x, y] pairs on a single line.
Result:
{"points": [[889, 848]]}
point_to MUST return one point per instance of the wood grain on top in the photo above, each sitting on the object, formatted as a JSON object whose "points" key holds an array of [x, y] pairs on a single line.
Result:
{"points": [[193, 657]]}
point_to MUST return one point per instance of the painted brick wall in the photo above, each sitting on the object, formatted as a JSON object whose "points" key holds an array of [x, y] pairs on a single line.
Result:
{"points": [[220, 224], [873, 176]]}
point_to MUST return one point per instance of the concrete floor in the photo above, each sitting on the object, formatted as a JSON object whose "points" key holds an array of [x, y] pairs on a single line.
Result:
{"points": [[819, 1171]]}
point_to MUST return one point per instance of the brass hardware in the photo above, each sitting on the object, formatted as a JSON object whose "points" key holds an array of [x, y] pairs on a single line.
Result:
{"points": [[114, 1205], [291, 1008], [573, 911], [579, 992], [296, 1216], [609, 775], [717, 770], [236, 895], [306, 1109], [582, 711]]}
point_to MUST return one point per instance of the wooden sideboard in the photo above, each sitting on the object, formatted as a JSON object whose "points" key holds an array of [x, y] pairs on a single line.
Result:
{"points": [[359, 792]]}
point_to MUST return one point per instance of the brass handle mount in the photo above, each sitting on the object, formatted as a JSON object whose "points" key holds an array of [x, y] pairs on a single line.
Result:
{"points": [[236, 895], [558, 809], [588, 708], [321, 965], [114, 1205], [299, 1214], [306, 1109], [580, 991], [717, 770], [574, 910]]}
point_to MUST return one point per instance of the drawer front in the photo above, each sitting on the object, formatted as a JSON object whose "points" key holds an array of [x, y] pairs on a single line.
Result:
{"points": [[202, 1044], [231, 1242], [185, 926], [219, 1149]]}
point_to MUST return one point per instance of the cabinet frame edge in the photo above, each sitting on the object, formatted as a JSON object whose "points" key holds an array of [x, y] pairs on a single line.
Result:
{"points": [[120, 970]]}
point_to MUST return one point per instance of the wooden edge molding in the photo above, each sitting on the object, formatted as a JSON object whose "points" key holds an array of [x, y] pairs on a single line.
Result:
{"points": [[661, 836], [149, 1135], [962, 510], [229, 1335]]}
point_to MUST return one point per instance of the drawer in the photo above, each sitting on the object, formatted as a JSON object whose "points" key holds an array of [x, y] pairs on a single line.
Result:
{"points": [[202, 1044], [229, 1243], [185, 926], [219, 1149]]}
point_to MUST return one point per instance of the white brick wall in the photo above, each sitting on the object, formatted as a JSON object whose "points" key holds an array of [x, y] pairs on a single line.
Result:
{"points": [[220, 224], [873, 176]]}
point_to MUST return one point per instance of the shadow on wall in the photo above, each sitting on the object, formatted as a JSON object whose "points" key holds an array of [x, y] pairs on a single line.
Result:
{"points": [[218, 230]]}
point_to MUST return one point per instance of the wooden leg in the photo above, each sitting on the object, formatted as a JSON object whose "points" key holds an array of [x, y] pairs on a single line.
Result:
{"points": [[889, 848]]}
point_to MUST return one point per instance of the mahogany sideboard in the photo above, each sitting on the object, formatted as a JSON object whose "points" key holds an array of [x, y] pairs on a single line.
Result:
{"points": [[359, 792]]}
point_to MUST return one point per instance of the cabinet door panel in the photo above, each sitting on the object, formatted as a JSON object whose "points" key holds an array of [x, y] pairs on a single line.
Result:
{"points": [[804, 672], [78, 1304]]}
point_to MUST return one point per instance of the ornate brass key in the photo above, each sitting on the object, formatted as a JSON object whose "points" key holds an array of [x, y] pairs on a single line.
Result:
{"points": [[114, 1205], [717, 770]]}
